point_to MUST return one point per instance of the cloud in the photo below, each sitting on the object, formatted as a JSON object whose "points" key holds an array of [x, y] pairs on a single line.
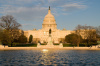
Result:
{"points": [[25, 13], [35, 10], [18, 2], [52, 0], [73, 7]]}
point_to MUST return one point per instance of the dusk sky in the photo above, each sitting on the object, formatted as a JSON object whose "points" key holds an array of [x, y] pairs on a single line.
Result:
{"points": [[68, 13]]}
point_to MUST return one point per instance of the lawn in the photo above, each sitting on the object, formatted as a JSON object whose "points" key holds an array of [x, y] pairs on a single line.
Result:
{"points": [[64, 45], [55, 44], [67, 45], [26, 45]]}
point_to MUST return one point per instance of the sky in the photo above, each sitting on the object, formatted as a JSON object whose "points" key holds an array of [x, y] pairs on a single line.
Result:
{"points": [[68, 13]]}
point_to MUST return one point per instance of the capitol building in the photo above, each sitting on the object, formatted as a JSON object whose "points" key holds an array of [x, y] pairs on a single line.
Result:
{"points": [[49, 25]]}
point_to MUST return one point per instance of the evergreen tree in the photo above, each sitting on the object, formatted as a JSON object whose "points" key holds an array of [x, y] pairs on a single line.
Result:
{"points": [[30, 39]]}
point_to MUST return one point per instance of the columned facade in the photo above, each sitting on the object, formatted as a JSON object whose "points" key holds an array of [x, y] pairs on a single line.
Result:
{"points": [[49, 23]]}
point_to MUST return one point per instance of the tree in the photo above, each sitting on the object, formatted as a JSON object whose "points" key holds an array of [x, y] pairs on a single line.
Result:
{"points": [[10, 25], [98, 32], [5, 38], [88, 33], [1, 33], [30, 38], [8, 22], [22, 39], [73, 39]]}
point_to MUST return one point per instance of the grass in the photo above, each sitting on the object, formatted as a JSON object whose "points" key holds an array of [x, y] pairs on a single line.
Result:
{"points": [[64, 45], [68, 45], [43, 44], [85, 45], [26, 45], [80, 45], [55, 44]]}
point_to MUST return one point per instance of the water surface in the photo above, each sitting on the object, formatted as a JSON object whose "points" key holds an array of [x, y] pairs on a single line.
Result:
{"points": [[50, 58]]}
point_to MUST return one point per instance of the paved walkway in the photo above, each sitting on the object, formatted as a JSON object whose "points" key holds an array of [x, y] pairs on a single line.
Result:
{"points": [[56, 48]]}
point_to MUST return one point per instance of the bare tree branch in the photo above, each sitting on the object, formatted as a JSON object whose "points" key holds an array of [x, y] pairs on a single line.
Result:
{"points": [[9, 23], [11, 26]]}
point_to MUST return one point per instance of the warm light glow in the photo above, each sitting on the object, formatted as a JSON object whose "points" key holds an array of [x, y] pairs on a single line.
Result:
{"points": [[45, 50], [44, 32]]}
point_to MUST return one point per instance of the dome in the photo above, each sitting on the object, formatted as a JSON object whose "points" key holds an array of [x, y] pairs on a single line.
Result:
{"points": [[49, 18], [49, 21]]}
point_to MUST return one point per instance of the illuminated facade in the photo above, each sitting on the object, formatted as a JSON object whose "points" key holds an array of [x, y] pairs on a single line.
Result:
{"points": [[49, 23]]}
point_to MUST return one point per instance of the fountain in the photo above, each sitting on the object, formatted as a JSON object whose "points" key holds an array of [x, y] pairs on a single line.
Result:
{"points": [[49, 43]]}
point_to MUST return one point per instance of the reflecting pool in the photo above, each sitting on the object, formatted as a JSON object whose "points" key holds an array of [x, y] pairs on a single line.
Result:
{"points": [[47, 57]]}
